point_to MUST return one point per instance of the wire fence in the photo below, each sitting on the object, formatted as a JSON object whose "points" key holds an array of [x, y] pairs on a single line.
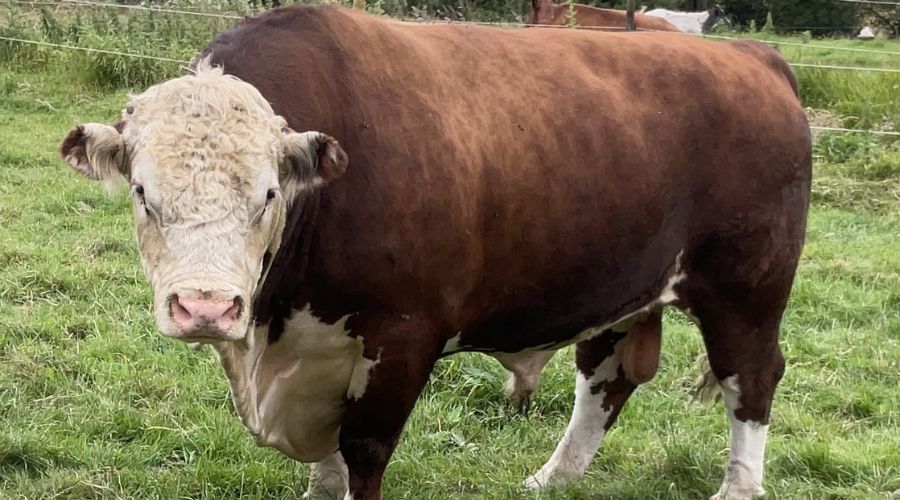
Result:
{"points": [[813, 46], [25, 2], [187, 10], [846, 68], [885, 133], [873, 2], [186, 63], [154, 9], [222, 15], [89, 49], [88, 3]]}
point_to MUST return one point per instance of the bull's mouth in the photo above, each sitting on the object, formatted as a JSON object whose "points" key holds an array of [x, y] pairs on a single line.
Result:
{"points": [[201, 338]]}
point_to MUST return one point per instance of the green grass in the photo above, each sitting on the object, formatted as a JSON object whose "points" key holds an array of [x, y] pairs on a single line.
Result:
{"points": [[96, 404]]}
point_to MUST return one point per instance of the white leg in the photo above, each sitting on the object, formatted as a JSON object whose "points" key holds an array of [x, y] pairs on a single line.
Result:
{"points": [[744, 472], [586, 429], [328, 479]]}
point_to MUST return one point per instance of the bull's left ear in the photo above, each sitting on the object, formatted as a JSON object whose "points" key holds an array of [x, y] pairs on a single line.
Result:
{"points": [[96, 151], [310, 159]]}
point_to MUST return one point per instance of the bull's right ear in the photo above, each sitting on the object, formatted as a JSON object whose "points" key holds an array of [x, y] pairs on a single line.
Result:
{"points": [[310, 159], [97, 152]]}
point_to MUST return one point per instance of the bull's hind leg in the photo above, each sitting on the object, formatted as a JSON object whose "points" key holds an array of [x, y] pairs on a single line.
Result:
{"points": [[747, 363], [738, 295], [608, 369]]}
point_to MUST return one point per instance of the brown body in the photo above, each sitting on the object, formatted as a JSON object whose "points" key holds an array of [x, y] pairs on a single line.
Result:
{"points": [[520, 190], [546, 12]]}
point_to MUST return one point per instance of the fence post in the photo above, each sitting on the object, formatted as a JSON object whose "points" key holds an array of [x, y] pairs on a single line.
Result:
{"points": [[696, 5], [629, 15]]}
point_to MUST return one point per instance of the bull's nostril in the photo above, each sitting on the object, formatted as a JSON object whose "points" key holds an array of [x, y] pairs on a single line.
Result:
{"points": [[178, 312], [234, 312]]}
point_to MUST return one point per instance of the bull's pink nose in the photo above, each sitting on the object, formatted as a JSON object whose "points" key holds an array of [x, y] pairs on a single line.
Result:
{"points": [[193, 314]]}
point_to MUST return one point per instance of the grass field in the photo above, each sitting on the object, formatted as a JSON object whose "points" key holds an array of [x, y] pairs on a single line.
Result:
{"points": [[95, 404]]}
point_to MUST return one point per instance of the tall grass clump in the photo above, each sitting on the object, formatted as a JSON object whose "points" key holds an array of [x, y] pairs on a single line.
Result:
{"points": [[857, 172], [866, 100], [16, 25], [177, 37]]}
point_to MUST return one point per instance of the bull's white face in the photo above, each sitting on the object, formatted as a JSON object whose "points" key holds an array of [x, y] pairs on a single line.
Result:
{"points": [[212, 171]]}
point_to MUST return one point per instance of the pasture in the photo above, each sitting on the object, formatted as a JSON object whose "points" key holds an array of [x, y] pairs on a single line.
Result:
{"points": [[95, 404]]}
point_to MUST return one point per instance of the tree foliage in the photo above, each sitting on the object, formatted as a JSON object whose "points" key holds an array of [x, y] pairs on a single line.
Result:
{"points": [[817, 16]]}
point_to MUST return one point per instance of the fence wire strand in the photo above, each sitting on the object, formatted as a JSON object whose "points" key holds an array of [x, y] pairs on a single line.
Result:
{"points": [[857, 131], [846, 68], [874, 2], [90, 49], [808, 45], [153, 9]]}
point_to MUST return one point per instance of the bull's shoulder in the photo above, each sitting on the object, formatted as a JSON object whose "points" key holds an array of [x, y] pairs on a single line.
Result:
{"points": [[292, 17], [255, 45], [278, 26]]}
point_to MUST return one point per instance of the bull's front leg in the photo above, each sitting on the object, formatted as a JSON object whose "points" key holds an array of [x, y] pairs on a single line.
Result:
{"points": [[405, 351]]}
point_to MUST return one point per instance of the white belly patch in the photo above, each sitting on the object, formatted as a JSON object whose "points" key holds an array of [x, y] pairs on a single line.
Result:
{"points": [[291, 394]]}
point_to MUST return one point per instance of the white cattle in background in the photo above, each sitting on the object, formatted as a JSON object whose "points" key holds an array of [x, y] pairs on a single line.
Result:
{"points": [[691, 22], [866, 34]]}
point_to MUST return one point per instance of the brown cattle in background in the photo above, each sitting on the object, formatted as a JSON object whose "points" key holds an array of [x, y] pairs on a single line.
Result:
{"points": [[545, 12]]}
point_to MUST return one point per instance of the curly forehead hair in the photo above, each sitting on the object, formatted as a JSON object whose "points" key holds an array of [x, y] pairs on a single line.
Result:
{"points": [[205, 126]]}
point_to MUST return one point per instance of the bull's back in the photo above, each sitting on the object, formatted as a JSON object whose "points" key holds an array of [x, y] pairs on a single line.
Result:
{"points": [[499, 117]]}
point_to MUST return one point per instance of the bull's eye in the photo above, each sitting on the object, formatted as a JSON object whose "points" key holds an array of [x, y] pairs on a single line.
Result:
{"points": [[270, 195], [138, 191]]}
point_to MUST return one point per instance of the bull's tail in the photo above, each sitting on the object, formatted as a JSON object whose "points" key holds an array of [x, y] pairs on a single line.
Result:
{"points": [[706, 389]]}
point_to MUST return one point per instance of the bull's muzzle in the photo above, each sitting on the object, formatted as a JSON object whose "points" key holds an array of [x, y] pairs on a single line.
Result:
{"points": [[205, 314]]}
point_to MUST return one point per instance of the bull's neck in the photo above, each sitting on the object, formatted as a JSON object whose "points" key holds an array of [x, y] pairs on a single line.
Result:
{"points": [[289, 264]]}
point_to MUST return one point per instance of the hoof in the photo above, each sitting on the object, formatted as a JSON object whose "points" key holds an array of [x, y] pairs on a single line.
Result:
{"points": [[545, 479], [518, 395], [525, 406], [733, 492], [534, 482]]}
